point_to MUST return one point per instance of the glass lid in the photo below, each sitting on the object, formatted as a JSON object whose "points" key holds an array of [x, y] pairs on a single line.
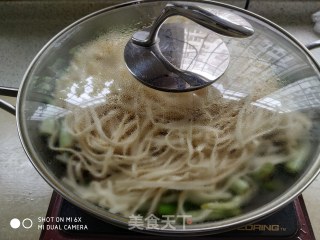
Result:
{"points": [[221, 155]]}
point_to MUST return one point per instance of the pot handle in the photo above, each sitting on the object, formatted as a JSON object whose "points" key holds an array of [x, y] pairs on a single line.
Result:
{"points": [[212, 21], [10, 92]]}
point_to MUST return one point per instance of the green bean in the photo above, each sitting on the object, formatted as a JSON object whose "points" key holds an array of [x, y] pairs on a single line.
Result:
{"points": [[272, 185], [239, 186], [234, 203], [297, 163], [213, 214], [266, 171]]}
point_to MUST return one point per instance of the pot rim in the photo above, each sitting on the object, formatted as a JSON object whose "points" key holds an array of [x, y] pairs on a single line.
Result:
{"points": [[200, 229]]}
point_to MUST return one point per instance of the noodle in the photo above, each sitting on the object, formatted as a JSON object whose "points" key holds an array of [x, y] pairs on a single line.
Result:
{"points": [[134, 148]]}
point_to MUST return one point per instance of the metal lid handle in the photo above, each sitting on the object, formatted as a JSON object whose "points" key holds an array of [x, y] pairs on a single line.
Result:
{"points": [[145, 54], [225, 27]]}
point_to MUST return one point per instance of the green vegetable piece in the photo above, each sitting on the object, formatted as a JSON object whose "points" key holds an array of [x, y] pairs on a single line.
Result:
{"points": [[295, 165], [239, 186], [224, 213], [232, 204], [202, 215], [65, 138], [221, 210], [272, 185], [217, 210], [167, 209], [265, 172], [47, 126]]}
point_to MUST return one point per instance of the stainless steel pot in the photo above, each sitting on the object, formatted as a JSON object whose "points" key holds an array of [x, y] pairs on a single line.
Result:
{"points": [[269, 51]]}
